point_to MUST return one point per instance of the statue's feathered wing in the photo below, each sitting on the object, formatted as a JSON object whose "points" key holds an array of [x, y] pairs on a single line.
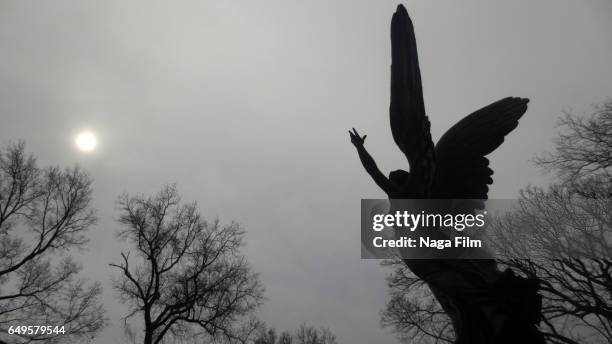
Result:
{"points": [[409, 124], [456, 167], [462, 171]]}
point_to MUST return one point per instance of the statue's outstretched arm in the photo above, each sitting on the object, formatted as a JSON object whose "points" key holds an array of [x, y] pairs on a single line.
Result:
{"points": [[368, 162]]}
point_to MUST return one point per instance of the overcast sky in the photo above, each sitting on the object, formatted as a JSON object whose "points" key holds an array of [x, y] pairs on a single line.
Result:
{"points": [[246, 106]]}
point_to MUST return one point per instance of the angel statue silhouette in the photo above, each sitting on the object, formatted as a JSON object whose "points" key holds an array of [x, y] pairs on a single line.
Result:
{"points": [[485, 305]]}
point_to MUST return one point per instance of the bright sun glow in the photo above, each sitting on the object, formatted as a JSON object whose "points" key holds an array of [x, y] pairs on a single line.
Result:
{"points": [[86, 141]]}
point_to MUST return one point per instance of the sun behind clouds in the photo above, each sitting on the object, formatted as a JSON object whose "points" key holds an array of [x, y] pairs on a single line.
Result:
{"points": [[86, 141]]}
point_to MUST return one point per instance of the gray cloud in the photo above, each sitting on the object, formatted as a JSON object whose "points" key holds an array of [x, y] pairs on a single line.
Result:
{"points": [[246, 104]]}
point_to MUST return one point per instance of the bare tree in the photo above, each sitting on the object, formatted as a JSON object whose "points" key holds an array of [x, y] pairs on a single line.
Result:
{"points": [[565, 231], [568, 242], [310, 335], [285, 338], [412, 312], [305, 334], [573, 219], [187, 277], [582, 158], [266, 336], [43, 214]]}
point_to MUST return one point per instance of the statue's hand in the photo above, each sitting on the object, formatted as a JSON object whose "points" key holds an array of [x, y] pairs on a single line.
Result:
{"points": [[356, 139]]}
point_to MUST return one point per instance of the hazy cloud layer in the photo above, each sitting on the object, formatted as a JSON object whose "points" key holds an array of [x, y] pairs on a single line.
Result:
{"points": [[245, 104]]}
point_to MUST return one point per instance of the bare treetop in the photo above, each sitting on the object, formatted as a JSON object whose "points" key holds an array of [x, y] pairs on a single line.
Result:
{"points": [[43, 214], [582, 157], [186, 276]]}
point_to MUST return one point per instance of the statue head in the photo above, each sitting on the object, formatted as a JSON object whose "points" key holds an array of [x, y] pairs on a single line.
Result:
{"points": [[399, 177]]}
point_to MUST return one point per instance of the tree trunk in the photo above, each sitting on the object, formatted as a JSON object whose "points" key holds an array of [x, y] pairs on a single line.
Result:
{"points": [[148, 339]]}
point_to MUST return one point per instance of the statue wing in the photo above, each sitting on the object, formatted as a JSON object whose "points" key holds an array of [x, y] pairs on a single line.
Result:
{"points": [[409, 124], [462, 171]]}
